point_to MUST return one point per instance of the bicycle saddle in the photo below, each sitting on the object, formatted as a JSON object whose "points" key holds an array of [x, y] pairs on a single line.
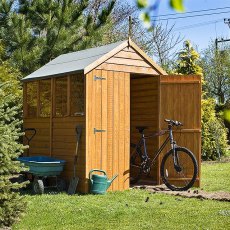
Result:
{"points": [[141, 128]]}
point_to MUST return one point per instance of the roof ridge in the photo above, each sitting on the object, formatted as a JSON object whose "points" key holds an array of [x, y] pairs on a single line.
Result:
{"points": [[96, 47]]}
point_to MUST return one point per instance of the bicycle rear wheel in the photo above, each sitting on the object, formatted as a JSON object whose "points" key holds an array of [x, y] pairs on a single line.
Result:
{"points": [[135, 164], [183, 177]]}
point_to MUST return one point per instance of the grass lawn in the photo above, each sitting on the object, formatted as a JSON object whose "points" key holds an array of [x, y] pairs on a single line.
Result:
{"points": [[215, 176], [128, 210]]}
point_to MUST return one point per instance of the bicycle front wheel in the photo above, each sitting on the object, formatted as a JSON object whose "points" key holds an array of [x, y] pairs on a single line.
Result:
{"points": [[182, 176]]}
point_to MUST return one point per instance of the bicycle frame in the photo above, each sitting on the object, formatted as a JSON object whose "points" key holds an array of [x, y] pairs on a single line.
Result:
{"points": [[168, 139], [175, 164]]}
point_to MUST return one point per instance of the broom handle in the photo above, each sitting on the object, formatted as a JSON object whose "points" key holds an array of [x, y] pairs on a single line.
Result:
{"points": [[78, 136]]}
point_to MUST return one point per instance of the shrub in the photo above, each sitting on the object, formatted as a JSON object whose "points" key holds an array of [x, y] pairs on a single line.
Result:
{"points": [[214, 133], [11, 203]]}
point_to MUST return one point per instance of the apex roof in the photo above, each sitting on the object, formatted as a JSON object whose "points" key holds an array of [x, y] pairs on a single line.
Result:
{"points": [[86, 60]]}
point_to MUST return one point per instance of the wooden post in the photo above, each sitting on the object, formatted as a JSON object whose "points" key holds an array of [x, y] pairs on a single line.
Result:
{"points": [[130, 27]]}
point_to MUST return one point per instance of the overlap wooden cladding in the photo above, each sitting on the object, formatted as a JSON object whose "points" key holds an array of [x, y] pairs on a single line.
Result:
{"points": [[109, 90]]}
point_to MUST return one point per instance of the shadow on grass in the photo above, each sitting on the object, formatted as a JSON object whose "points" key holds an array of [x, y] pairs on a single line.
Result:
{"points": [[28, 190]]}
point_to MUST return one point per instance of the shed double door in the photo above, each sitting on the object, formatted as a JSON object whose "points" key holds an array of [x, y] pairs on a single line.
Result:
{"points": [[108, 124]]}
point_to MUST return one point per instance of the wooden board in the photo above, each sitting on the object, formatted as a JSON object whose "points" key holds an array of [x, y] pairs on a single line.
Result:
{"points": [[180, 99], [56, 136], [128, 61], [127, 68], [107, 103]]}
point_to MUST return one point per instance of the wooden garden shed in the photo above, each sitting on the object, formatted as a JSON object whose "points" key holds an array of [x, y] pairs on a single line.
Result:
{"points": [[109, 90]]}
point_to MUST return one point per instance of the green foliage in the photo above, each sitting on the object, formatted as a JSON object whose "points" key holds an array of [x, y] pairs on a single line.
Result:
{"points": [[12, 76], [10, 148], [188, 60], [149, 8], [11, 204], [146, 19], [216, 69], [142, 3], [34, 32], [177, 5], [227, 115], [214, 133]]}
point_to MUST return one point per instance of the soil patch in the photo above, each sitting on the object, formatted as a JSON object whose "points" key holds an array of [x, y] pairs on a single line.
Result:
{"points": [[199, 194]]}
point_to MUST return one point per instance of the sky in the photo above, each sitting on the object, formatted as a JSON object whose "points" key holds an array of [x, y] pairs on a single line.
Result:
{"points": [[199, 30]]}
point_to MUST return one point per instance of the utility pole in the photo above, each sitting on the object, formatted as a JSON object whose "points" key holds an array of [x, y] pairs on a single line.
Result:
{"points": [[220, 40], [226, 21]]}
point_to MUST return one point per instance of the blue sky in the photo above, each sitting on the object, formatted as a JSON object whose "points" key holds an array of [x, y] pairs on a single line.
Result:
{"points": [[211, 26]]}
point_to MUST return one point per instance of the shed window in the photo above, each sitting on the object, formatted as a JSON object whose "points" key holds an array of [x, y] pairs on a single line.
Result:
{"points": [[31, 99], [77, 95], [45, 97], [61, 97]]}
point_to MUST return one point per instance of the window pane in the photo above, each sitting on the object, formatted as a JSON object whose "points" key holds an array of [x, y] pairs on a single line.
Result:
{"points": [[77, 94], [45, 98], [61, 96], [32, 88]]}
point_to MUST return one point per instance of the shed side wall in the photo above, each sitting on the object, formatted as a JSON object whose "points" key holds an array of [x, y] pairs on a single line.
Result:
{"points": [[64, 147], [56, 137]]}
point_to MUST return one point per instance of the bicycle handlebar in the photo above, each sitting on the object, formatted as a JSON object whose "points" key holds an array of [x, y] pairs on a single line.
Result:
{"points": [[173, 123]]}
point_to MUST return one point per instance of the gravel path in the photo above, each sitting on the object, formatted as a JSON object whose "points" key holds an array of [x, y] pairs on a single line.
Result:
{"points": [[199, 194]]}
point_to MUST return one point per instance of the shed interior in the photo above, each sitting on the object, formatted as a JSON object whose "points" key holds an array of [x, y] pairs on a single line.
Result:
{"points": [[144, 111]]}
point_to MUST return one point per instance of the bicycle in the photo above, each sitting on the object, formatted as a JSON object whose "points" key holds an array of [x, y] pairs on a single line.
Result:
{"points": [[178, 163]]}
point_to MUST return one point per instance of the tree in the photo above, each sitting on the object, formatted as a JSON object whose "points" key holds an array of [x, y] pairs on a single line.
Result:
{"points": [[216, 68], [214, 133], [188, 60], [119, 22], [36, 31], [162, 42], [11, 203]]}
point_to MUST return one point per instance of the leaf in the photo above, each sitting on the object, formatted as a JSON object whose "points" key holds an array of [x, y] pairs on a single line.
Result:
{"points": [[177, 5], [142, 3], [144, 16], [227, 115]]}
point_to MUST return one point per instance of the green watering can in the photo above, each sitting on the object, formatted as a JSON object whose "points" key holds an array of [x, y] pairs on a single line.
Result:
{"points": [[99, 183]]}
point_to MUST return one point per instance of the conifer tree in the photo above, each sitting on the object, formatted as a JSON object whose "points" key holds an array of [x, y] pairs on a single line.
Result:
{"points": [[36, 31], [11, 203], [188, 60]]}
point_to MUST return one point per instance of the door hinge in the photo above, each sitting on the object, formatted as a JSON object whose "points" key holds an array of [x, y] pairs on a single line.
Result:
{"points": [[98, 130], [99, 78]]}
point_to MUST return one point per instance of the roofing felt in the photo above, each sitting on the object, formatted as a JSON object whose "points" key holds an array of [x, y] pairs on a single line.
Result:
{"points": [[72, 62]]}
